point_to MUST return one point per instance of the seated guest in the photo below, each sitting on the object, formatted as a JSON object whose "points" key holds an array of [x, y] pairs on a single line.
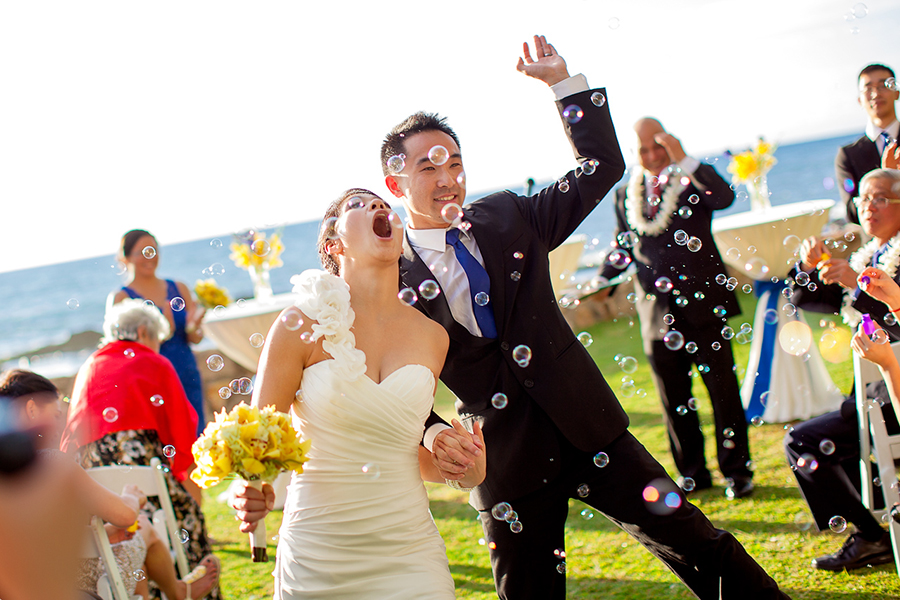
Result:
{"points": [[128, 407], [36, 401], [856, 159]]}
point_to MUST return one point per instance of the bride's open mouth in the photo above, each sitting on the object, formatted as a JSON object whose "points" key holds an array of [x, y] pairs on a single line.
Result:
{"points": [[382, 226]]}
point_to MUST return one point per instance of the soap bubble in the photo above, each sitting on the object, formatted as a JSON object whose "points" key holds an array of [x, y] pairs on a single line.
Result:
{"points": [[224, 392], [802, 278], [110, 414], [771, 316], [572, 113], [583, 490], [589, 166], [879, 336], [747, 288], [685, 212], [482, 298], [72, 303], [407, 296], [585, 338], [860, 10], [693, 403], [681, 237], [257, 340], [499, 400], [157, 400], [184, 536], [601, 459], [597, 98], [563, 185], [668, 319], [694, 199], [826, 447], [673, 340], [138, 575], [516, 526], [626, 239], [438, 155], [791, 243], [733, 254], [661, 497], [694, 244], [807, 463], [177, 303], [618, 259], [429, 289], [148, 252], [889, 319], [756, 268], [129, 353], [691, 347], [292, 319], [795, 337], [522, 355], [837, 524], [721, 279], [395, 164], [501, 510], [587, 514], [720, 311], [371, 471], [330, 228], [664, 285], [628, 364], [215, 243], [169, 451], [451, 212], [215, 362], [262, 247], [681, 410]]}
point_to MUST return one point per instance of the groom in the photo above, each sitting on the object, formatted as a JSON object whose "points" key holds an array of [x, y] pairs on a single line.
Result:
{"points": [[556, 429]]}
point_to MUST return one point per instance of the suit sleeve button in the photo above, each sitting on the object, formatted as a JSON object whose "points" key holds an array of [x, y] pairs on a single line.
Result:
{"points": [[504, 345], [528, 383]]}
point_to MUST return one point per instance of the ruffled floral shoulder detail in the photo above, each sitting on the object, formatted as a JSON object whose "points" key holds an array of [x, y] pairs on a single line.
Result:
{"points": [[325, 298]]}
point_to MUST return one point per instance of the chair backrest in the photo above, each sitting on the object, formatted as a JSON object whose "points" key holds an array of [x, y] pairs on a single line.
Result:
{"points": [[110, 585], [564, 262], [152, 482]]}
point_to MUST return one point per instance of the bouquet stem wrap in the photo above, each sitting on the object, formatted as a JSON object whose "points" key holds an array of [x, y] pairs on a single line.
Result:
{"points": [[258, 536]]}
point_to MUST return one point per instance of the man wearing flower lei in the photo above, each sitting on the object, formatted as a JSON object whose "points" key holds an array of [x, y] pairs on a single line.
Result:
{"points": [[664, 215], [832, 440]]}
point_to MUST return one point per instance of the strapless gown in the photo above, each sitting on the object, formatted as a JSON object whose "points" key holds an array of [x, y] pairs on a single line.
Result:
{"points": [[356, 523]]}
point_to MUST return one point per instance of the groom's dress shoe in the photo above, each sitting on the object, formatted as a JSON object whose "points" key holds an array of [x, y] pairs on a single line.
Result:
{"points": [[857, 553]]}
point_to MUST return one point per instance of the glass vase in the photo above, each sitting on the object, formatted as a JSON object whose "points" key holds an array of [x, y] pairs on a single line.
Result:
{"points": [[758, 189], [262, 285]]}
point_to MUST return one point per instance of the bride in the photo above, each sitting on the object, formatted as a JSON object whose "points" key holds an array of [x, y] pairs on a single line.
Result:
{"points": [[359, 375]]}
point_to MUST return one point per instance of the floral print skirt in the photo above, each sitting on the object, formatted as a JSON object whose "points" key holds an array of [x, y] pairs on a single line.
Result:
{"points": [[138, 448]]}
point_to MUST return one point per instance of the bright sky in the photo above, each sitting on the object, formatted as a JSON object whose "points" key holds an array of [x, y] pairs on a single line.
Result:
{"points": [[197, 119]]}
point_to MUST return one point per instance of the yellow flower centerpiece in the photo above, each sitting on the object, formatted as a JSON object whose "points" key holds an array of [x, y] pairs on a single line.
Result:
{"points": [[254, 444], [750, 168], [253, 252], [210, 294]]}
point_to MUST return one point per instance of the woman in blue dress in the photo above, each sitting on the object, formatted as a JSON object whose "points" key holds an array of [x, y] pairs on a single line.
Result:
{"points": [[140, 253]]}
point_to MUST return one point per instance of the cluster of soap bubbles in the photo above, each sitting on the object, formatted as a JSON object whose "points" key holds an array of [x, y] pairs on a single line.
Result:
{"points": [[242, 386], [214, 270], [503, 511], [858, 11]]}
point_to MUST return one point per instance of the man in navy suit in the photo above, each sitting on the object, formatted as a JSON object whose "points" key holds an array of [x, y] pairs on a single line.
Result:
{"points": [[877, 95], [556, 429]]}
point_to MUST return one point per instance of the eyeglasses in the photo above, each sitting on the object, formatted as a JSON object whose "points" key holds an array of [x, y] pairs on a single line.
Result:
{"points": [[874, 202]]}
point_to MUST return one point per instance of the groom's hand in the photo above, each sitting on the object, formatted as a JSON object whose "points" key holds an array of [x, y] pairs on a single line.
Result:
{"points": [[455, 451], [547, 65], [252, 505]]}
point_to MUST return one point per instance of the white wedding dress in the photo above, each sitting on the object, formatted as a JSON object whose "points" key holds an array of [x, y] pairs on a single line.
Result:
{"points": [[356, 523]]}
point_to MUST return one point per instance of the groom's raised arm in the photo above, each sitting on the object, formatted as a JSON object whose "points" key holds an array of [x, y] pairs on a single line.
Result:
{"points": [[556, 211]]}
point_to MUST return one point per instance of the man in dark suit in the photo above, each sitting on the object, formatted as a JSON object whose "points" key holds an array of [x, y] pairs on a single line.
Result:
{"points": [[877, 95], [824, 451], [556, 429], [664, 215]]}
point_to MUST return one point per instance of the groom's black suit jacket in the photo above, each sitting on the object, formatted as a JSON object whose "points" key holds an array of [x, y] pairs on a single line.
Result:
{"points": [[851, 163], [561, 392]]}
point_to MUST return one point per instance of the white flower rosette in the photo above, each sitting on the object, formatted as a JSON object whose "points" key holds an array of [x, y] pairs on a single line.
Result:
{"points": [[325, 298]]}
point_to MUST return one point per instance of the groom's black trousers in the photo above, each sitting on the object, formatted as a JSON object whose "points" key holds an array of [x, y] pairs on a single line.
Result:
{"points": [[710, 561]]}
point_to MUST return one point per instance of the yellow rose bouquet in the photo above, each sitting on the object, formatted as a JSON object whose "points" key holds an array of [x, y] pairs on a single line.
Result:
{"points": [[253, 252], [210, 294], [254, 444]]}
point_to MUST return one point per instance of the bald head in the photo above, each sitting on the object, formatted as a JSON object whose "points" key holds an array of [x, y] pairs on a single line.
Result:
{"points": [[651, 154]]}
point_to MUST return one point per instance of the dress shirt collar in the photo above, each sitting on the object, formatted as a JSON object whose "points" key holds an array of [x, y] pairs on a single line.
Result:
{"points": [[873, 131], [433, 239]]}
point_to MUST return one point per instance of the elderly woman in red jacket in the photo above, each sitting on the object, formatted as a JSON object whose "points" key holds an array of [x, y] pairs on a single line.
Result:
{"points": [[128, 406]]}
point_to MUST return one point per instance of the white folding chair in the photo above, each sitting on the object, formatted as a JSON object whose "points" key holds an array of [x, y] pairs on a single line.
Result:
{"points": [[110, 585], [874, 441], [152, 482]]}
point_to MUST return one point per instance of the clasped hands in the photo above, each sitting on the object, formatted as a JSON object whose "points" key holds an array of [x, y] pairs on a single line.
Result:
{"points": [[460, 455]]}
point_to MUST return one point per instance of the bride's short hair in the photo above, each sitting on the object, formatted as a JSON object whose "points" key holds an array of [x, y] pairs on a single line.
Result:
{"points": [[335, 209]]}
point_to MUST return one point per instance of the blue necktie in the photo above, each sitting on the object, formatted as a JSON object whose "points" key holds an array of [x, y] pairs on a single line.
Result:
{"points": [[478, 282], [885, 141]]}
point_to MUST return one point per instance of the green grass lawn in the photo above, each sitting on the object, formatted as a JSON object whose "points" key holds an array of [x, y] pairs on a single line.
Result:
{"points": [[774, 524]]}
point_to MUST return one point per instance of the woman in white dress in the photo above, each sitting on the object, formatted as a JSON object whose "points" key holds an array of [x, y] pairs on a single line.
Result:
{"points": [[356, 523]]}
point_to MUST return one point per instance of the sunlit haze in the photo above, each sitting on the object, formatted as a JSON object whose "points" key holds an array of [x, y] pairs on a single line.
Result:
{"points": [[197, 119]]}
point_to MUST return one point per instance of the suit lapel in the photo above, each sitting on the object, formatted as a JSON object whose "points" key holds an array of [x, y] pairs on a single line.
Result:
{"points": [[414, 271], [867, 155]]}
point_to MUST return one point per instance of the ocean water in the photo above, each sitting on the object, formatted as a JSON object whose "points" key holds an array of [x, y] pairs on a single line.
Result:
{"points": [[47, 305]]}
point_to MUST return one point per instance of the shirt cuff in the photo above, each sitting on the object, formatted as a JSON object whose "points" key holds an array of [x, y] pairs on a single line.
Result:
{"points": [[572, 85], [689, 164], [431, 433]]}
